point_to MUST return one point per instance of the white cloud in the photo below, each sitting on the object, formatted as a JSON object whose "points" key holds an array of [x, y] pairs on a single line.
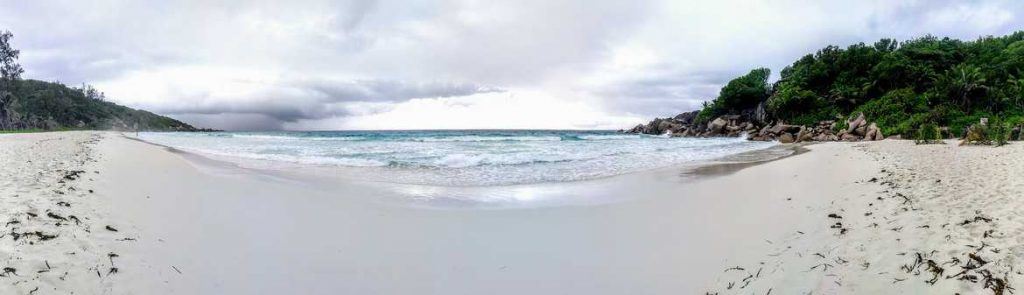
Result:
{"points": [[435, 63]]}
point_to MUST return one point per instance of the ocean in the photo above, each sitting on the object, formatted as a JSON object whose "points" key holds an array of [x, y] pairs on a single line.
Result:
{"points": [[458, 157]]}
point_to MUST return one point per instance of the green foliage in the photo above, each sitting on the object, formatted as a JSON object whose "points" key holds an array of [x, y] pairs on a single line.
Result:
{"points": [[892, 111], [52, 106], [10, 70], [35, 105], [963, 85], [927, 134], [739, 94], [898, 85], [790, 99], [708, 112], [746, 91], [998, 133]]}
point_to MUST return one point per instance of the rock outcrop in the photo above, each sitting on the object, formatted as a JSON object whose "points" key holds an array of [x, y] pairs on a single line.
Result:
{"points": [[685, 125]]}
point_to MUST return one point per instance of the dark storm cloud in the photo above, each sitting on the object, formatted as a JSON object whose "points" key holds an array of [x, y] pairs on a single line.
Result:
{"points": [[319, 99], [391, 91]]}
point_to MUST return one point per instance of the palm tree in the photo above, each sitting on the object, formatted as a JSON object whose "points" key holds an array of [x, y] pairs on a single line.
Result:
{"points": [[960, 82]]}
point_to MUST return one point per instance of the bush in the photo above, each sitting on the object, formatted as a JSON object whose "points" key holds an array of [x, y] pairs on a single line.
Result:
{"points": [[997, 132], [709, 111], [927, 134], [892, 109]]}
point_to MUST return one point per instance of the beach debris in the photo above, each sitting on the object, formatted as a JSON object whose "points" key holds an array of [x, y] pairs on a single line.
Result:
{"points": [[976, 219], [9, 271], [38, 234], [824, 267], [73, 174], [55, 216], [936, 271]]}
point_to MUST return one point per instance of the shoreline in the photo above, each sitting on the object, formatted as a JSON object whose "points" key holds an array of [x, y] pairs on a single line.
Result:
{"points": [[648, 226], [725, 167], [600, 190], [735, 162]]}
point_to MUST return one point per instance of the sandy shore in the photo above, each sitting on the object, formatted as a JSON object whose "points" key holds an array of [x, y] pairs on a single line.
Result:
{"points": [[865, 218]]}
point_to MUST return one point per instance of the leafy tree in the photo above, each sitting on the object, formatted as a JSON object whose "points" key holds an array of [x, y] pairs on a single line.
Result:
{"points": [[740, 94], [746, 91], [10, 70], [1014, 92], [963, 83], [91, 92]]}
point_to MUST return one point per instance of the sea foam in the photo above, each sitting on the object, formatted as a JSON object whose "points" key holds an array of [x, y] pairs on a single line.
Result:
{"points": [[472, 157]]}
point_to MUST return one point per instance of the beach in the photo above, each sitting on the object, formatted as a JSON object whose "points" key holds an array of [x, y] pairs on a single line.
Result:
{"points": [[840, 218]]}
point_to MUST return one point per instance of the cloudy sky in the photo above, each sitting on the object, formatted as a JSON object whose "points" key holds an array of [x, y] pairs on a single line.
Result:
{"points": [[364, 64]]}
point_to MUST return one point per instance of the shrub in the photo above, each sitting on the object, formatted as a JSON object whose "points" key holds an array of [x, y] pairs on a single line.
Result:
{"points": [[997, 132], [927, 134], [892, 109]]}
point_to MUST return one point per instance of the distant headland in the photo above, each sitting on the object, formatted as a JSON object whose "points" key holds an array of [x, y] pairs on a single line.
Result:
{"points": [[38, 105]]}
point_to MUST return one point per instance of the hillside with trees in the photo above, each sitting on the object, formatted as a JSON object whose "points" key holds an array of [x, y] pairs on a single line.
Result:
{"points": [[37, 105], [900, 86]]}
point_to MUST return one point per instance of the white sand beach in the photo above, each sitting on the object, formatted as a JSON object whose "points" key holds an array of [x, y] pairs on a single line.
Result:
{"points": [[843, 218]]}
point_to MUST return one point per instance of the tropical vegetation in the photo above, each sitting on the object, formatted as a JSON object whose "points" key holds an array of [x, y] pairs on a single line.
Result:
{"points": [[37, 105], [901, 85]]}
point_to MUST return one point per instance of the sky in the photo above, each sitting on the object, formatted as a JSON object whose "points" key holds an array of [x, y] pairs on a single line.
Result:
{"points": [[459, 64]]}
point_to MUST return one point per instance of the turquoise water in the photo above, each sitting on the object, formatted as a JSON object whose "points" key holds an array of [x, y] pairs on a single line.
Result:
{"points": [[460, 157]]}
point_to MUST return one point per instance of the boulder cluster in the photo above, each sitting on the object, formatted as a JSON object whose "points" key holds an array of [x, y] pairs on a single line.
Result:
{"points": [[685, 125], [857, 128]]}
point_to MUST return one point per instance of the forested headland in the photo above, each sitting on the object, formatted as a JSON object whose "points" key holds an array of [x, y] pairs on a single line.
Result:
{"points": [[37, 105], [900, 86]]}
